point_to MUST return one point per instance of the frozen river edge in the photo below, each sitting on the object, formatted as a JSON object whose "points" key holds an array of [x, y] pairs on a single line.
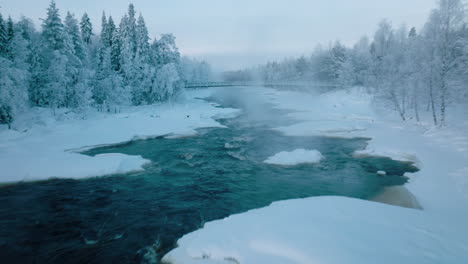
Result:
{"points": [[49, 148]]}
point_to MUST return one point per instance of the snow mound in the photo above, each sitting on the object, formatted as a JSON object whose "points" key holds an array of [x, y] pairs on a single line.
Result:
{"points": [[325, 230], [296, 157]]}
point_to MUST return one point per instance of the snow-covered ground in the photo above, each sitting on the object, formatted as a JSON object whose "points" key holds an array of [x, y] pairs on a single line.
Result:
{"points": [[344, 230], [296, 157], [45, 146]]}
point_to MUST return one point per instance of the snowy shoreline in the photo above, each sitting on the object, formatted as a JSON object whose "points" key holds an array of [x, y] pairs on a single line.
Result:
{"points": [[50, 148]]}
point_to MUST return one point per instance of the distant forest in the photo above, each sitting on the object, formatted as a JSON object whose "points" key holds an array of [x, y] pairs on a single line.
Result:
{"points": [[414, 72]]}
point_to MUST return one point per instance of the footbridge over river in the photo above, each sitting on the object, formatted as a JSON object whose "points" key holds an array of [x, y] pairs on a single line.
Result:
{"points": [[280, 85]]}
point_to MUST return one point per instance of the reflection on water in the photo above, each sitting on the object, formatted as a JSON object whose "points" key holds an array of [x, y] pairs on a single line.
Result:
{"points": [[138, 217]]}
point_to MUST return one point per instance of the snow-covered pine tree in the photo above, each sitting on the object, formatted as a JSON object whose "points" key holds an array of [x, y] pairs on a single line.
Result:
{"points": [[126, 47], [73, 32], [131, 72], [144, 73], [86, 29], [52, 28], [107, 31], [131, 28], [37, 95], [142, 41], [78, 89], [3, 37], [10, 34], [116, 50], [52, 47], [103, 36], [103, 71], [128, 44], [110, 31]]}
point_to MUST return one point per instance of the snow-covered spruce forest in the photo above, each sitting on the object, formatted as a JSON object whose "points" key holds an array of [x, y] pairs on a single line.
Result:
{"points": [[416, 72], [66, 64]]}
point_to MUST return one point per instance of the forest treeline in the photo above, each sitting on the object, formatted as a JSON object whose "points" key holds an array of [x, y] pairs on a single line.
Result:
{"points": [[414, 72], [66, 64]]}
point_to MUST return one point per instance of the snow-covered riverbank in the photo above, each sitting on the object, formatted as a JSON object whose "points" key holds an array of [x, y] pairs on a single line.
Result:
{"points": [[46, 147], [343, 230]]}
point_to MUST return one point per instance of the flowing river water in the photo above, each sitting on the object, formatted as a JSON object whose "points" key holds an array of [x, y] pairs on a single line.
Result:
{"points": [[138, 217]]}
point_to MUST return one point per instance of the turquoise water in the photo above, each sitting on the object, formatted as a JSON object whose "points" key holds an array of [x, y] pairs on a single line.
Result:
{"points": [[138, 217]]}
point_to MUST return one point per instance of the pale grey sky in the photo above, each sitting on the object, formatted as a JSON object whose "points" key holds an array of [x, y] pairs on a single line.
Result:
{"points": [[236, 33]]}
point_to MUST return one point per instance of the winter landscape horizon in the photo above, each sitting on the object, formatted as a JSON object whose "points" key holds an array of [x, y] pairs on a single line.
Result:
{"points": [[234, 131]]}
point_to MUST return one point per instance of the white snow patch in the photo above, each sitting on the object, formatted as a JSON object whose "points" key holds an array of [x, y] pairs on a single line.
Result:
{"points": [[326, 230], [296, 157]]}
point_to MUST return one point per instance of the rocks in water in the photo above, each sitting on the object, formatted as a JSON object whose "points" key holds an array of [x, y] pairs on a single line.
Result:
{"points": [[382, 173]]}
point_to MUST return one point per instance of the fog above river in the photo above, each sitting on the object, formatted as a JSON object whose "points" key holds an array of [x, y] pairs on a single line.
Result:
{"points": [[232, 34]]}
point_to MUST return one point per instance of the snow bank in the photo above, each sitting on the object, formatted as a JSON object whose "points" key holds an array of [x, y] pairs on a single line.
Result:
{"points": [[325, 230], [296, 157], [46, 146]]}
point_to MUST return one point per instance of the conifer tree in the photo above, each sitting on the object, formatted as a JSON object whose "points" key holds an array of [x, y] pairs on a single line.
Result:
{"points": [[10, 34], [38, 79], [116, 51], [3, 37], [52, 28], [111, 28], [104, 30], [142, 41], [73, 31], [86, 29]]}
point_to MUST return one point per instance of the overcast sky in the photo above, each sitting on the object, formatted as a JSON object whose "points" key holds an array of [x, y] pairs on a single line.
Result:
{"points": [[236, 33]]}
